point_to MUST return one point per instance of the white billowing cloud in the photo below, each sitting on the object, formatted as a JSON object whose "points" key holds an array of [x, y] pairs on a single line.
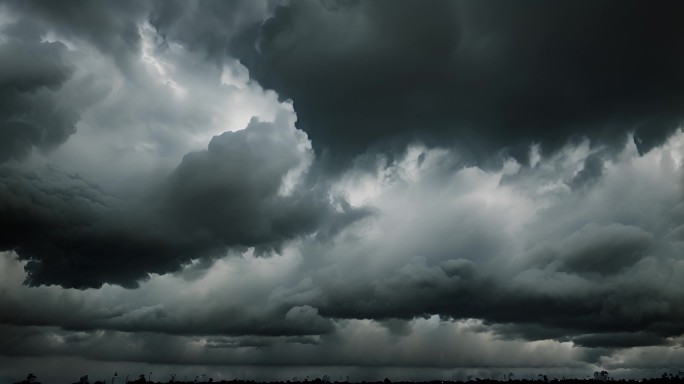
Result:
{"points": [[429, 206], [170, 101]]}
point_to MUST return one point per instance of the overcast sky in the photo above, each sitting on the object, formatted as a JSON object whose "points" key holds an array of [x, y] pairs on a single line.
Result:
{"points": [[415, 189]]}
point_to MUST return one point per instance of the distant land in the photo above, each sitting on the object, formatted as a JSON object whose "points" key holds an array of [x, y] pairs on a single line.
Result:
{"points": [[665, 378]]}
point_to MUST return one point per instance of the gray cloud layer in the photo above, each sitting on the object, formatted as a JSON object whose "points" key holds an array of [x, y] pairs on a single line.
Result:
{"points": [[31, 114], [453, 184]]}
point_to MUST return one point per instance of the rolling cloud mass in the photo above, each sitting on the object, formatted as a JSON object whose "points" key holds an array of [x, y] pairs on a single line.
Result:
{"points": [[364, 189]]}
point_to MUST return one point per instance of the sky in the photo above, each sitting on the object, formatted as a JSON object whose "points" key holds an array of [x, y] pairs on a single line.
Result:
{"points": [[360, 189]]}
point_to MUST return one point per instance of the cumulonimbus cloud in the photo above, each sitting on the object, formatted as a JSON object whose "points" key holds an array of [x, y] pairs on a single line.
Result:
{"points": [[443, 171]]}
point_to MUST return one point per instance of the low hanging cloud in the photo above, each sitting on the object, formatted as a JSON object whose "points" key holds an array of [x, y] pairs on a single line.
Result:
{"points": [[245, 190], [593, 278], [428, 345], [520, 248]]}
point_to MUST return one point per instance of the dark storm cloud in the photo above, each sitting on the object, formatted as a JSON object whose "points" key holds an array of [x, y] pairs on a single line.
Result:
{"points": [[431, 346], [209, 26], [73, 234], [598, 249], [234, 194], [150, 308], [485, 76], [113, 27], [599, 316], [31, 112], [41, 102], [230, 191], [576, 246], [619, 340], [217, 319], [590, 173], [245, 190]]}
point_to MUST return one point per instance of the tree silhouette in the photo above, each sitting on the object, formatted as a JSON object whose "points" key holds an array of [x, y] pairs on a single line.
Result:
{"points": [[30, 379]]}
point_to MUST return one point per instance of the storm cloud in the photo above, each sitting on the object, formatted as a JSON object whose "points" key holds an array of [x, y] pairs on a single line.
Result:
{"points": [[244, 190], [388, 188], [31, 114], [486, 76]]}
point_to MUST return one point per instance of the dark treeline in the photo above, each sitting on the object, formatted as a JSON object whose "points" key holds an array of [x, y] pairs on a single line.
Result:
{"points": [[665, 378]]}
